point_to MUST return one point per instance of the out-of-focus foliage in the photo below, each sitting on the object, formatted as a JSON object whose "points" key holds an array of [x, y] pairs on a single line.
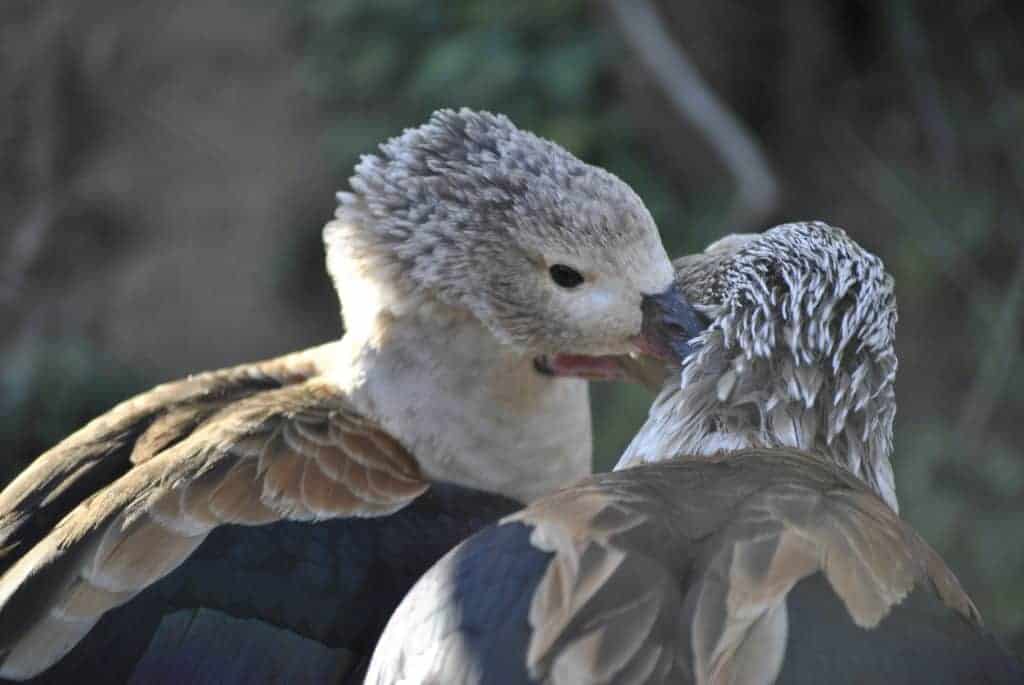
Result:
{"points": [[901, 120]]}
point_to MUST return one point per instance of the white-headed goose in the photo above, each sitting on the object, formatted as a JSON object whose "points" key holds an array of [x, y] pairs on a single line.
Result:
{"points": [[475, 263]]}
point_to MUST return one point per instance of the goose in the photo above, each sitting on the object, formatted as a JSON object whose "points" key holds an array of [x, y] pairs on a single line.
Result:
{"points": [[483, 273], [750, 531]]}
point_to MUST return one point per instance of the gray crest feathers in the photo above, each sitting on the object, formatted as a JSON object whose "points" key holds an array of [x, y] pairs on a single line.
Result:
{"points": [[800, 353]]}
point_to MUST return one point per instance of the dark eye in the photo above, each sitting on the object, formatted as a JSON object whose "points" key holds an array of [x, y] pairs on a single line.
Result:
{"points": [[565, 276]]}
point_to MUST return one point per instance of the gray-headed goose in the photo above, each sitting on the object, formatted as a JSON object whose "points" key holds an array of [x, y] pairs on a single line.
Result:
{"points": [[475, 262], [753, 536]]}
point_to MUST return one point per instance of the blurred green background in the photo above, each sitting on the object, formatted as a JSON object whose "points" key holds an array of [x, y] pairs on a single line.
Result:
{"points": [[168, 168]]}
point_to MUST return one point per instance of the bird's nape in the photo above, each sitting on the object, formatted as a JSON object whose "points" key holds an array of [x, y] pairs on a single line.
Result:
{"points": [[799, 352]]}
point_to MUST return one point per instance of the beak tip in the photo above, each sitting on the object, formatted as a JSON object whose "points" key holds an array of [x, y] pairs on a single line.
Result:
{"points": [[670, 324]]}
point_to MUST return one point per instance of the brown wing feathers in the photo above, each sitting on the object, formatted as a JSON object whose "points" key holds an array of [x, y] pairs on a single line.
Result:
{"points": [[105, 448], [297, 452], [734, 536], [785, 533]]}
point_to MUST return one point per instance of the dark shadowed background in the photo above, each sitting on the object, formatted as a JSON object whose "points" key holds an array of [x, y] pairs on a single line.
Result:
{"points": [[167, 168]]}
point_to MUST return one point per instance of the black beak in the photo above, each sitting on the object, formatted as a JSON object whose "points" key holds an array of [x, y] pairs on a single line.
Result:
{"points": [[670, 323]]}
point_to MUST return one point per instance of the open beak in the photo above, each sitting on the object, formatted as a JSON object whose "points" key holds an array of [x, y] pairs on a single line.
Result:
{"points": [[670, 323], [605, 368]]}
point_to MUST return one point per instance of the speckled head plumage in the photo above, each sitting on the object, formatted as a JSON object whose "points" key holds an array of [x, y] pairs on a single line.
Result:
{"points": [[800, 352], [470, 211]]}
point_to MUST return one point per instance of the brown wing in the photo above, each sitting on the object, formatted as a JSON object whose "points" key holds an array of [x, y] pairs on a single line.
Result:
{"points": [[736, 616], [296, 451], [105, 448], [681, 572]]}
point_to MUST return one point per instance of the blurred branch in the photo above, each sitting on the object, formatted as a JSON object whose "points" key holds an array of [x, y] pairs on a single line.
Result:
{"points": [[757, 190], [36, 82], [26, 242]]}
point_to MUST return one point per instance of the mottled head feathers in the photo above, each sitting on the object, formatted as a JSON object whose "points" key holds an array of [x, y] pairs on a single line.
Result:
{"points": [[800, 353], [470, 211]]}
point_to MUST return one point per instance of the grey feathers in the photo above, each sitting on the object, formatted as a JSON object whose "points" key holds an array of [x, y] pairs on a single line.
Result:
{"points": [[800, 353], [465, 171], [466, 207]]}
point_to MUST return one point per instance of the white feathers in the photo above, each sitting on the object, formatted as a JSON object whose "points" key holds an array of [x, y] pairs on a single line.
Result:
{"points": [[725, 385], [800, 353]]}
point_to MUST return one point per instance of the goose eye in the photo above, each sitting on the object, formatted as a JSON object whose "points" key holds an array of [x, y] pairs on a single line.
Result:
{"points": [[565, 276]]}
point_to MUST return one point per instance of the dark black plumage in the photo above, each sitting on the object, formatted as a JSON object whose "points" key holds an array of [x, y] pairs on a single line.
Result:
{"points": [[920, 641], [496, 575]]}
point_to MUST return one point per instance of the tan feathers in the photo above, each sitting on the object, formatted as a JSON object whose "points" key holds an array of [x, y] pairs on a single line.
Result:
{"points": [[296, 451], [682, 569]]}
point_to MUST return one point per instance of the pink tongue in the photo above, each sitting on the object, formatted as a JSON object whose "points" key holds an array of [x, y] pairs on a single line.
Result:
{"points": [[582, 366]]}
